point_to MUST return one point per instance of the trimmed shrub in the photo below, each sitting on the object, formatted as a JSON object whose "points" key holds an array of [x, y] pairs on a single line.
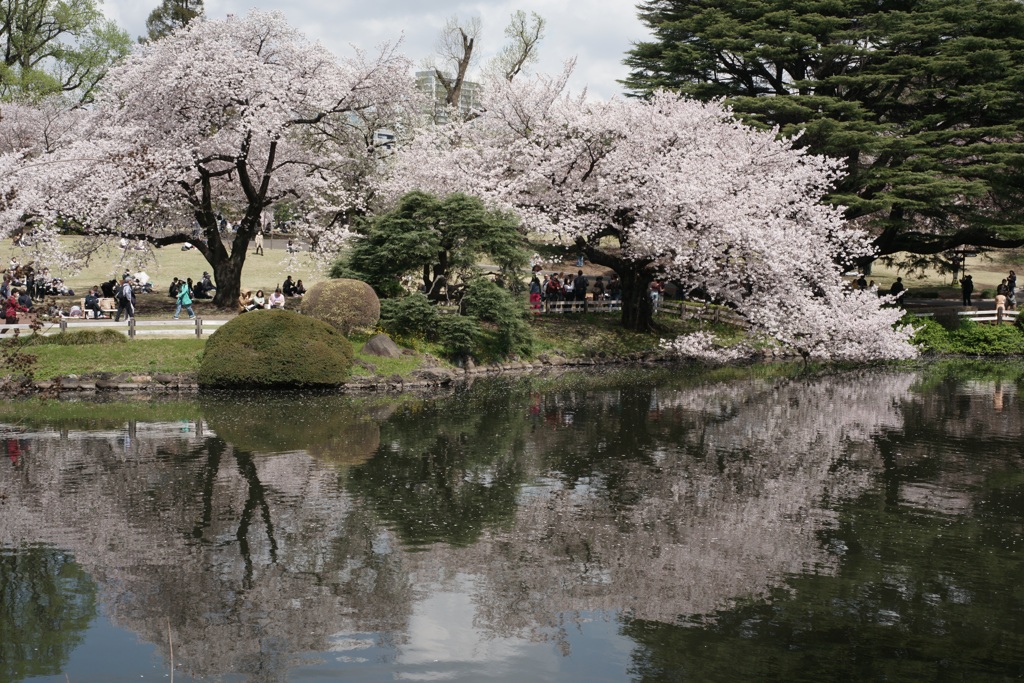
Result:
{"points": [[80, 337], [346, 304], [269, 349]]}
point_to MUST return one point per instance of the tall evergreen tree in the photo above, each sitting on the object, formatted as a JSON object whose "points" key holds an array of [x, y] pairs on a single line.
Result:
{"points": [[171, 15], [921, 98]]}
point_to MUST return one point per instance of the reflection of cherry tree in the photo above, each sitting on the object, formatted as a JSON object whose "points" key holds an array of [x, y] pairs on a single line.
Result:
{"points": [[725, 512], [655, 502], [248, 558]]}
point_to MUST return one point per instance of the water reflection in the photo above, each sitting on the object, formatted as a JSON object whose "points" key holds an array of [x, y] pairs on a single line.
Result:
{"points": [[551, 530]]}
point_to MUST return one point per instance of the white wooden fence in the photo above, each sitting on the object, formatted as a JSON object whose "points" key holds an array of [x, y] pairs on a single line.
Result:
{"points": [[990, 316], [197, 327]]}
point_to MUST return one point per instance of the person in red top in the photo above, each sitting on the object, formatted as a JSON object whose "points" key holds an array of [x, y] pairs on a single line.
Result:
{"points": [[12, 308]]}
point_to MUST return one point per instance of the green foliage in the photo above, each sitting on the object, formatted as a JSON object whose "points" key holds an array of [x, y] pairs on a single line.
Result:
{"points": [[459, 335], [329, 427], [171, 15], [487, 302], [346, 304], [56, 46], [969, 338], [412, 315], [47, 602], [79, 338], [267, 349], [920, 98], [429, 238], [386, 288]]}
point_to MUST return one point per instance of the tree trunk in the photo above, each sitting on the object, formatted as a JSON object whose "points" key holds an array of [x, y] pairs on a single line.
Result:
{"points": [[227, 275], [636, 278], [637, 311]]}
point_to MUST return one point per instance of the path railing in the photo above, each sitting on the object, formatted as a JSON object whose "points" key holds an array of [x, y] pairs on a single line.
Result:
{"points": [[197, 327], [990, 316]]}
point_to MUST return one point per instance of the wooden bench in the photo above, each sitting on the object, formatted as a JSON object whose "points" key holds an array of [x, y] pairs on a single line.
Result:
{"points": [[108, 306]]}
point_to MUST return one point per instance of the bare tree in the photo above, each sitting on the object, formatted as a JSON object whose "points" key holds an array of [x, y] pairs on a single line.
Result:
{"points": [[455, 48], [457, 51]]}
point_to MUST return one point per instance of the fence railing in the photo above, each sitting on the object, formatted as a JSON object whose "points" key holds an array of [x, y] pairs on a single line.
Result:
{"points": [[990, 316], [197, 327]]}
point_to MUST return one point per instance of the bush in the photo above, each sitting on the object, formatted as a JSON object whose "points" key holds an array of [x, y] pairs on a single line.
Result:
{"points": [[459, 335], [488, 302], [346, 304], [411, 315], [969, 338], [80, 337], [270, 349]]}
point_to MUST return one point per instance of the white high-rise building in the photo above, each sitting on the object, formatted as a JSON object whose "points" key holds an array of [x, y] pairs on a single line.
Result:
{"points": [[429, 84]]}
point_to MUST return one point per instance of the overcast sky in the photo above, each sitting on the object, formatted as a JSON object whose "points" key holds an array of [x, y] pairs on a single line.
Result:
{"points": [[597, 33]]}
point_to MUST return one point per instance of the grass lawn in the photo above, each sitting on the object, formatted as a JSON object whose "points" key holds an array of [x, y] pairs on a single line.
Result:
{"points": [[141, 356], [988, 270], [162, 265]]}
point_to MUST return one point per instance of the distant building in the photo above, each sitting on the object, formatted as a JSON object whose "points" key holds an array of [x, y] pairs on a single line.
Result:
{"points": [[429, 84]]}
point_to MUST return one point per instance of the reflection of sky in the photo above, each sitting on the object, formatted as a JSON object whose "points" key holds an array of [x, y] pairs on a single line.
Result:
{"points": [[443, 643]]}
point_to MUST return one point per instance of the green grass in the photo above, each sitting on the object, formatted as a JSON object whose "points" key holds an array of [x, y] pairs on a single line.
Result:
{"points": [[259, 272], [135, 357], [37, 412]]}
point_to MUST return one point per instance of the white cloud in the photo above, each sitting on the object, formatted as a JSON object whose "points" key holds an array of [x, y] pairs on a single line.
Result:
{"points": [[598, 33]]}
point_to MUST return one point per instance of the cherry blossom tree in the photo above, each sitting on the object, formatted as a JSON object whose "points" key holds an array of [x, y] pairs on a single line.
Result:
{"points": [[665, 187], [230, 117]]}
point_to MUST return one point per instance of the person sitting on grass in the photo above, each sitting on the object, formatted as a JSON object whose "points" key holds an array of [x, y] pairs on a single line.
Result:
{"points": [[245, 303], [289, 286], [299, 288], [259, 300], [277, 299]]}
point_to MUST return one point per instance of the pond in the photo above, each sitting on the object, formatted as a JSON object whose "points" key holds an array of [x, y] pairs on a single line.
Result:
{"points": [[745, 524]]}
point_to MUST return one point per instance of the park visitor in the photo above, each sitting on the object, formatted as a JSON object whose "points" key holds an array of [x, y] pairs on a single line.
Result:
{"points": [[277, 299], [184, 299]]}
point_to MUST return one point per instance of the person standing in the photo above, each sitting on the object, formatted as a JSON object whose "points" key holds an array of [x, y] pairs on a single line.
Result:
{"points": [[259, 242], [581, 285], [184, 299], [125, 301], [535, 289], [967, 288], [1011, 290]]}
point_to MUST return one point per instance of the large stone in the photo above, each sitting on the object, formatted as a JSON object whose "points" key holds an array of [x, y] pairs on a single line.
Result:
{"points": [[382, 346]]}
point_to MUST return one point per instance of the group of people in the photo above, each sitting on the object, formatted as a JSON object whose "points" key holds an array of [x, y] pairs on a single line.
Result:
{"points": [[199, 290], [248, 301], [569, 287]]}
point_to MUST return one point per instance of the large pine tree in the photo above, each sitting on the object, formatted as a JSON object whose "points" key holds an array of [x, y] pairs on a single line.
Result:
{"points": [[922, 98], [170, 15]]}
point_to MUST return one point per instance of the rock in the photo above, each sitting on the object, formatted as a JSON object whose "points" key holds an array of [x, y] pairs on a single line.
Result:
{"points": [[164, 378], [434, 375], [382, 346]]}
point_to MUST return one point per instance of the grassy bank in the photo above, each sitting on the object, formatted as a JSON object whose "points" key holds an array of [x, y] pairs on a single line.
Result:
{"points": [[573, 335]]}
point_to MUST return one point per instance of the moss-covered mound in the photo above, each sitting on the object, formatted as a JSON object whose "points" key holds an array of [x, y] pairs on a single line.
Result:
{"points": [[346, 304], [266, 349]]}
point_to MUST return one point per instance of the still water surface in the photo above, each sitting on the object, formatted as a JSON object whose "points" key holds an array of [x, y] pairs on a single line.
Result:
{"points": [[754, 525]]}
